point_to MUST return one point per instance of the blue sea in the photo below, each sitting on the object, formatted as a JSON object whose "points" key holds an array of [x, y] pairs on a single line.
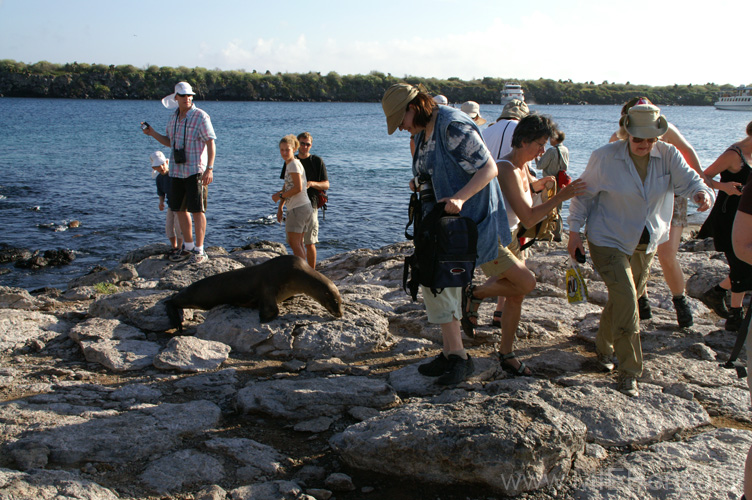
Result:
{"points": [[88, 160]]}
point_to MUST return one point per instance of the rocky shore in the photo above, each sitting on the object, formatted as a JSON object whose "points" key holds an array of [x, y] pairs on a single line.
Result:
{"points": [[99, 399]]}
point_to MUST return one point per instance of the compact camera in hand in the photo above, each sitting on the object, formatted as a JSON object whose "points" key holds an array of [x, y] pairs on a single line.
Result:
{"points": [[179, 156]]}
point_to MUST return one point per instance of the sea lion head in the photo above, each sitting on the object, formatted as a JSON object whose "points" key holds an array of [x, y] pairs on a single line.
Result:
{"points": [[332, 301]]}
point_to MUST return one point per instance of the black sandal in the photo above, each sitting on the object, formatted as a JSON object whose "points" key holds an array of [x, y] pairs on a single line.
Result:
{"points": [[496, 321], [470, 305], [507, 367]]}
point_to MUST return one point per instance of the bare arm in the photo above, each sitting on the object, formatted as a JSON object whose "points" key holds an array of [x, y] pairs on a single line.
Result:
{"points": [[530, 215], [723, 162], [676, 139], [320, 185], [482, 177], [162, 139], [208, 175]]}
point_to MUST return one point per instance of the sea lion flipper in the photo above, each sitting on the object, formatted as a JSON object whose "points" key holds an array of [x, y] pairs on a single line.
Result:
{"points": [[175, 314], [268, 309]]}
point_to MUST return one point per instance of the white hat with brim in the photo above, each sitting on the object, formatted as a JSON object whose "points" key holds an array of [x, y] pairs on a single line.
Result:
{"points": [[644, 121], [394, 103], [441, 99], [472, 109], [157, 158], [184, 88]]}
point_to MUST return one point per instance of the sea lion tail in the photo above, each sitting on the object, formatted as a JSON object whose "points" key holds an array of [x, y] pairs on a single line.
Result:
{"points": [[175, 314]]}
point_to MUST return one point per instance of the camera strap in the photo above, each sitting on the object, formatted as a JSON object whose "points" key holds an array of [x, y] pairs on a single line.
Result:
{"points": [[175, 128]]}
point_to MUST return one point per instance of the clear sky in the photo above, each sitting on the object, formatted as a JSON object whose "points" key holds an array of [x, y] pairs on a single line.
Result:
{"points": [[653, 42]]}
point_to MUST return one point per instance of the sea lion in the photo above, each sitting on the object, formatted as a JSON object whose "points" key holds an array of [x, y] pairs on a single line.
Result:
{"points": [[258, 287]]}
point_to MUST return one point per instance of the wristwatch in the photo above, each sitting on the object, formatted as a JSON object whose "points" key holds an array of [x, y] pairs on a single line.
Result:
{"points": [[210, 167]]}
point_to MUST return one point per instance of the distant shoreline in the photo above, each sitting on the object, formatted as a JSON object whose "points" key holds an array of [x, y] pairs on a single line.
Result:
{"points": [[100, 81]]}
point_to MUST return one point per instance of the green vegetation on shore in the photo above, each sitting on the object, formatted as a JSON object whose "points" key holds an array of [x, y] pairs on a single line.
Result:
{"points": [[99, 81]]}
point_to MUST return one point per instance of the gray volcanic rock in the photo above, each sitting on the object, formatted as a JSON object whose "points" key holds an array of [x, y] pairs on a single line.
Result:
{"points": [[186, 273], [257, 460], [126, 272], [181, 468], [52, 484], [489, 442], [308, 398], [706, 466], [143, 309], [121, 438], [17, 298], [189, 354], [20, 327], [613, 419]]}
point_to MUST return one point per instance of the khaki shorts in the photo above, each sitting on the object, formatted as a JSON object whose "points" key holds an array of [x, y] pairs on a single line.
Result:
{"points": [[502, 263], [445, 306], [298, 218], [679, 217], [311, 236]]}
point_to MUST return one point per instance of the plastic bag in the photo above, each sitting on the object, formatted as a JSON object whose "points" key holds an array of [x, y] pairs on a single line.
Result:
{"points": [[576, 288]]}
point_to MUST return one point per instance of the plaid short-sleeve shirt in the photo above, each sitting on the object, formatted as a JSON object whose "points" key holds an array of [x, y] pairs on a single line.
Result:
{"points": [[190, 133]]}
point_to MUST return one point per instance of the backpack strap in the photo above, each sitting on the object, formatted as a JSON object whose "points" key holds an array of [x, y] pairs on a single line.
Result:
{"points": [[741, 336], [503, 134], [561, 159]]}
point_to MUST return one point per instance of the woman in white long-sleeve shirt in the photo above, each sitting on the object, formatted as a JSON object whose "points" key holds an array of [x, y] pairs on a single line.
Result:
{"points": [[626, 212]]}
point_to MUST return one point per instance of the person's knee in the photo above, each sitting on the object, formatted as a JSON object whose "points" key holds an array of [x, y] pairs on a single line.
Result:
{"points": [[527, 282]]}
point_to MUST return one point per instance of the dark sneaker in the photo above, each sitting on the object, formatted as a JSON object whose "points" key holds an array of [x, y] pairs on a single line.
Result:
{"points": [[437, 366], [734, 320], [643, 308], [607, 362], [683, 312], [180, 256], [628, 386], [459, 370], [715, 298]]}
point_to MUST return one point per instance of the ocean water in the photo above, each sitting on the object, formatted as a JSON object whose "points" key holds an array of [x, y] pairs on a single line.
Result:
{"points": [[87, 160]]}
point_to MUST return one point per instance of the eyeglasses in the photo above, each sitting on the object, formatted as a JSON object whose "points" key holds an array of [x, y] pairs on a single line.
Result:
{"points": [[637, 140], [305, 144], [184, 95]]}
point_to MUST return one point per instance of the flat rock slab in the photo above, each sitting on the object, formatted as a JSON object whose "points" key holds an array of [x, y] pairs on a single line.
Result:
{"points": [[189, 354], [257, 459], [489, 441], [121, 355], [309, 398], [140, 308], [50, 484], [126, 436], [18, 327], [182, 468], [613, 419], [706, 467]]}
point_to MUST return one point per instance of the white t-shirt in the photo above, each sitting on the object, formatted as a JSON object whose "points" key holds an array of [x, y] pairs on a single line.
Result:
{"points": [[295, 201], [498, 138]]}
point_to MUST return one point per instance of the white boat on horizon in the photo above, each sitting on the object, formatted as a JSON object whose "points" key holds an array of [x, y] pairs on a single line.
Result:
{"points": [[740, 100], [512, 91]]}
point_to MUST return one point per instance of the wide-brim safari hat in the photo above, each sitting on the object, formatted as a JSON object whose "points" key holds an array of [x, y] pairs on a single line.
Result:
{"points": [[644, 121], [395, 101], [514, 110]]}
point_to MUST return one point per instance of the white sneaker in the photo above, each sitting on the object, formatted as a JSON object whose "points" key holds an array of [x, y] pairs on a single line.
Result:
{"points": [[606, 362], [198, 258]]}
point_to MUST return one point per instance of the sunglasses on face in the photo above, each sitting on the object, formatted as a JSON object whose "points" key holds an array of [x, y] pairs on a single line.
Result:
{"points": [[637, 140], [184, 95], [305, 144]]}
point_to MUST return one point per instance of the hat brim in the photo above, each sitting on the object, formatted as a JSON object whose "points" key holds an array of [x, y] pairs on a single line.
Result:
{"points": [[394, 120], [480, 120], [650, 131]]}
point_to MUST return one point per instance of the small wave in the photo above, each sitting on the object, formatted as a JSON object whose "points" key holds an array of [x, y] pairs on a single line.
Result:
{"points": [[53, 226], [268, 220]]}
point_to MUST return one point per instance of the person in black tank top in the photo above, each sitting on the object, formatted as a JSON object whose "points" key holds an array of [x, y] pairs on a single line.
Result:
{"points": [[734, 168]]}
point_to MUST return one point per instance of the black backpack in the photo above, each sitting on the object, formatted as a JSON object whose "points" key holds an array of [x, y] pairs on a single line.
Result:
{"points": [[446, 247]]}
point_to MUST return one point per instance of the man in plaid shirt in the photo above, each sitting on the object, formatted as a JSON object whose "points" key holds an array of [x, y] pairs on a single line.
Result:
{"points": [[190, 136]]}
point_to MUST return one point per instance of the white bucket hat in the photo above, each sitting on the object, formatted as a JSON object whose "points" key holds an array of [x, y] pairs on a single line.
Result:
{"points": [[472, 109], [184, 88], [644, 121], [157, 158]]}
